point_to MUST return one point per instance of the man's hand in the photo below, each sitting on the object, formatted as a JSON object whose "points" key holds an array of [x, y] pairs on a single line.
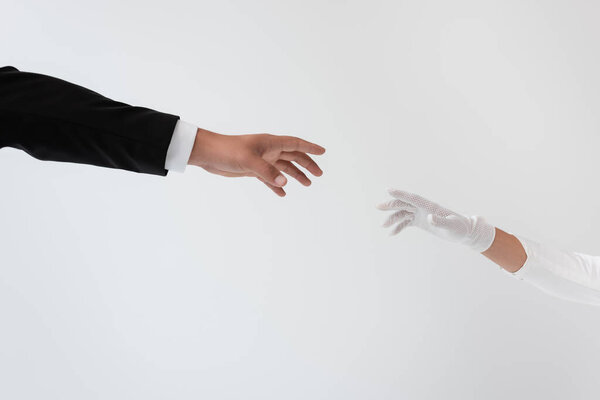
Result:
{"points": [[261, 156]]}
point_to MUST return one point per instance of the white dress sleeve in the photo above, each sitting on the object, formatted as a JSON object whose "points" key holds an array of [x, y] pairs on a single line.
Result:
{"points": [[567, 275]]}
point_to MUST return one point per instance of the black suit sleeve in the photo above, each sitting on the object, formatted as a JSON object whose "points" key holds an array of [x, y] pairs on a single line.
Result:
{"points": [[56, 120]]}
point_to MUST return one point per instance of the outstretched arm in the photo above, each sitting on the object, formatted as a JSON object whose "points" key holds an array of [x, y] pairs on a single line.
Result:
{"points": [[567, 275], [52, 119]]}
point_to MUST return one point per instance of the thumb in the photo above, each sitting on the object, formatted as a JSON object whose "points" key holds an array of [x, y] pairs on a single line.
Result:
{"points": [[266, 171]]}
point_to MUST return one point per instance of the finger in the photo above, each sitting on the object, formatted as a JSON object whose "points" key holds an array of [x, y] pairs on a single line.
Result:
{"points": [[293, 171], [278, 191], [396, 205], [408, 197], [397, 217], [266, 171], [291, 143], [303, 160], [401, 226]]}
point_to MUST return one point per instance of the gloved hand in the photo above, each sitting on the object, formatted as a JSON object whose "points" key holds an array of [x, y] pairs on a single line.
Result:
{"points": [[414, 210]]}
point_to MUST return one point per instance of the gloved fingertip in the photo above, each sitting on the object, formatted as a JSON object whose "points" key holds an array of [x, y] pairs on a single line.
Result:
{"points": [[383, 206]]}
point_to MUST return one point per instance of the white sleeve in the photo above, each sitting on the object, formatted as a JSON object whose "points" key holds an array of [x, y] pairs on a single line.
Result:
{"points": [[567, 275], [180, 148]]}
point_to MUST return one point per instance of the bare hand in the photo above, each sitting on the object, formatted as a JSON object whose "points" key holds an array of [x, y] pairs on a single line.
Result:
{"points": [[262, 156]]}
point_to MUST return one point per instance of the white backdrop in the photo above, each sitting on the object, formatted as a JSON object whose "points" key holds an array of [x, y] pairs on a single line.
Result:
{"points": [[122, 286]]}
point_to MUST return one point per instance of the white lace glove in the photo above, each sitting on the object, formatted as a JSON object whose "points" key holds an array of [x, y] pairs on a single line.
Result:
{"points": [[414, 210]]}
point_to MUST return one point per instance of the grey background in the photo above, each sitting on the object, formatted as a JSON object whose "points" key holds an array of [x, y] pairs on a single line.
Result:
{"points": [[122, 286]]}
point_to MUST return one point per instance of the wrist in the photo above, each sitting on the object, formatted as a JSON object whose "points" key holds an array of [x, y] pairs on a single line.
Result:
{"points": [[482, 234], [204, 144]]}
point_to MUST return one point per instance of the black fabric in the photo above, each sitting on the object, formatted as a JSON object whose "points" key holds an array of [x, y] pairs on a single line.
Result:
{"points": [[52, 119]]}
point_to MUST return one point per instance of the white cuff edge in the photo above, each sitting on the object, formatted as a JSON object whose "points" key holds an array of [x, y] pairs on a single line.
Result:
{"points": [[180, 148]]}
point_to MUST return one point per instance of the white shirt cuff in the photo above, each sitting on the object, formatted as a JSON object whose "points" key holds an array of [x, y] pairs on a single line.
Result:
{"points": [[180, 148]]}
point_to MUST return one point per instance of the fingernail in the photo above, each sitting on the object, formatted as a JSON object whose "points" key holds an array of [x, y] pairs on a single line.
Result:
{"points": [[280, 180]]}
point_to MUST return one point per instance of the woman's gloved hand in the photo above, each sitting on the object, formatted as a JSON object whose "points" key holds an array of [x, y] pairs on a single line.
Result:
{"points": [[413, 210]]}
